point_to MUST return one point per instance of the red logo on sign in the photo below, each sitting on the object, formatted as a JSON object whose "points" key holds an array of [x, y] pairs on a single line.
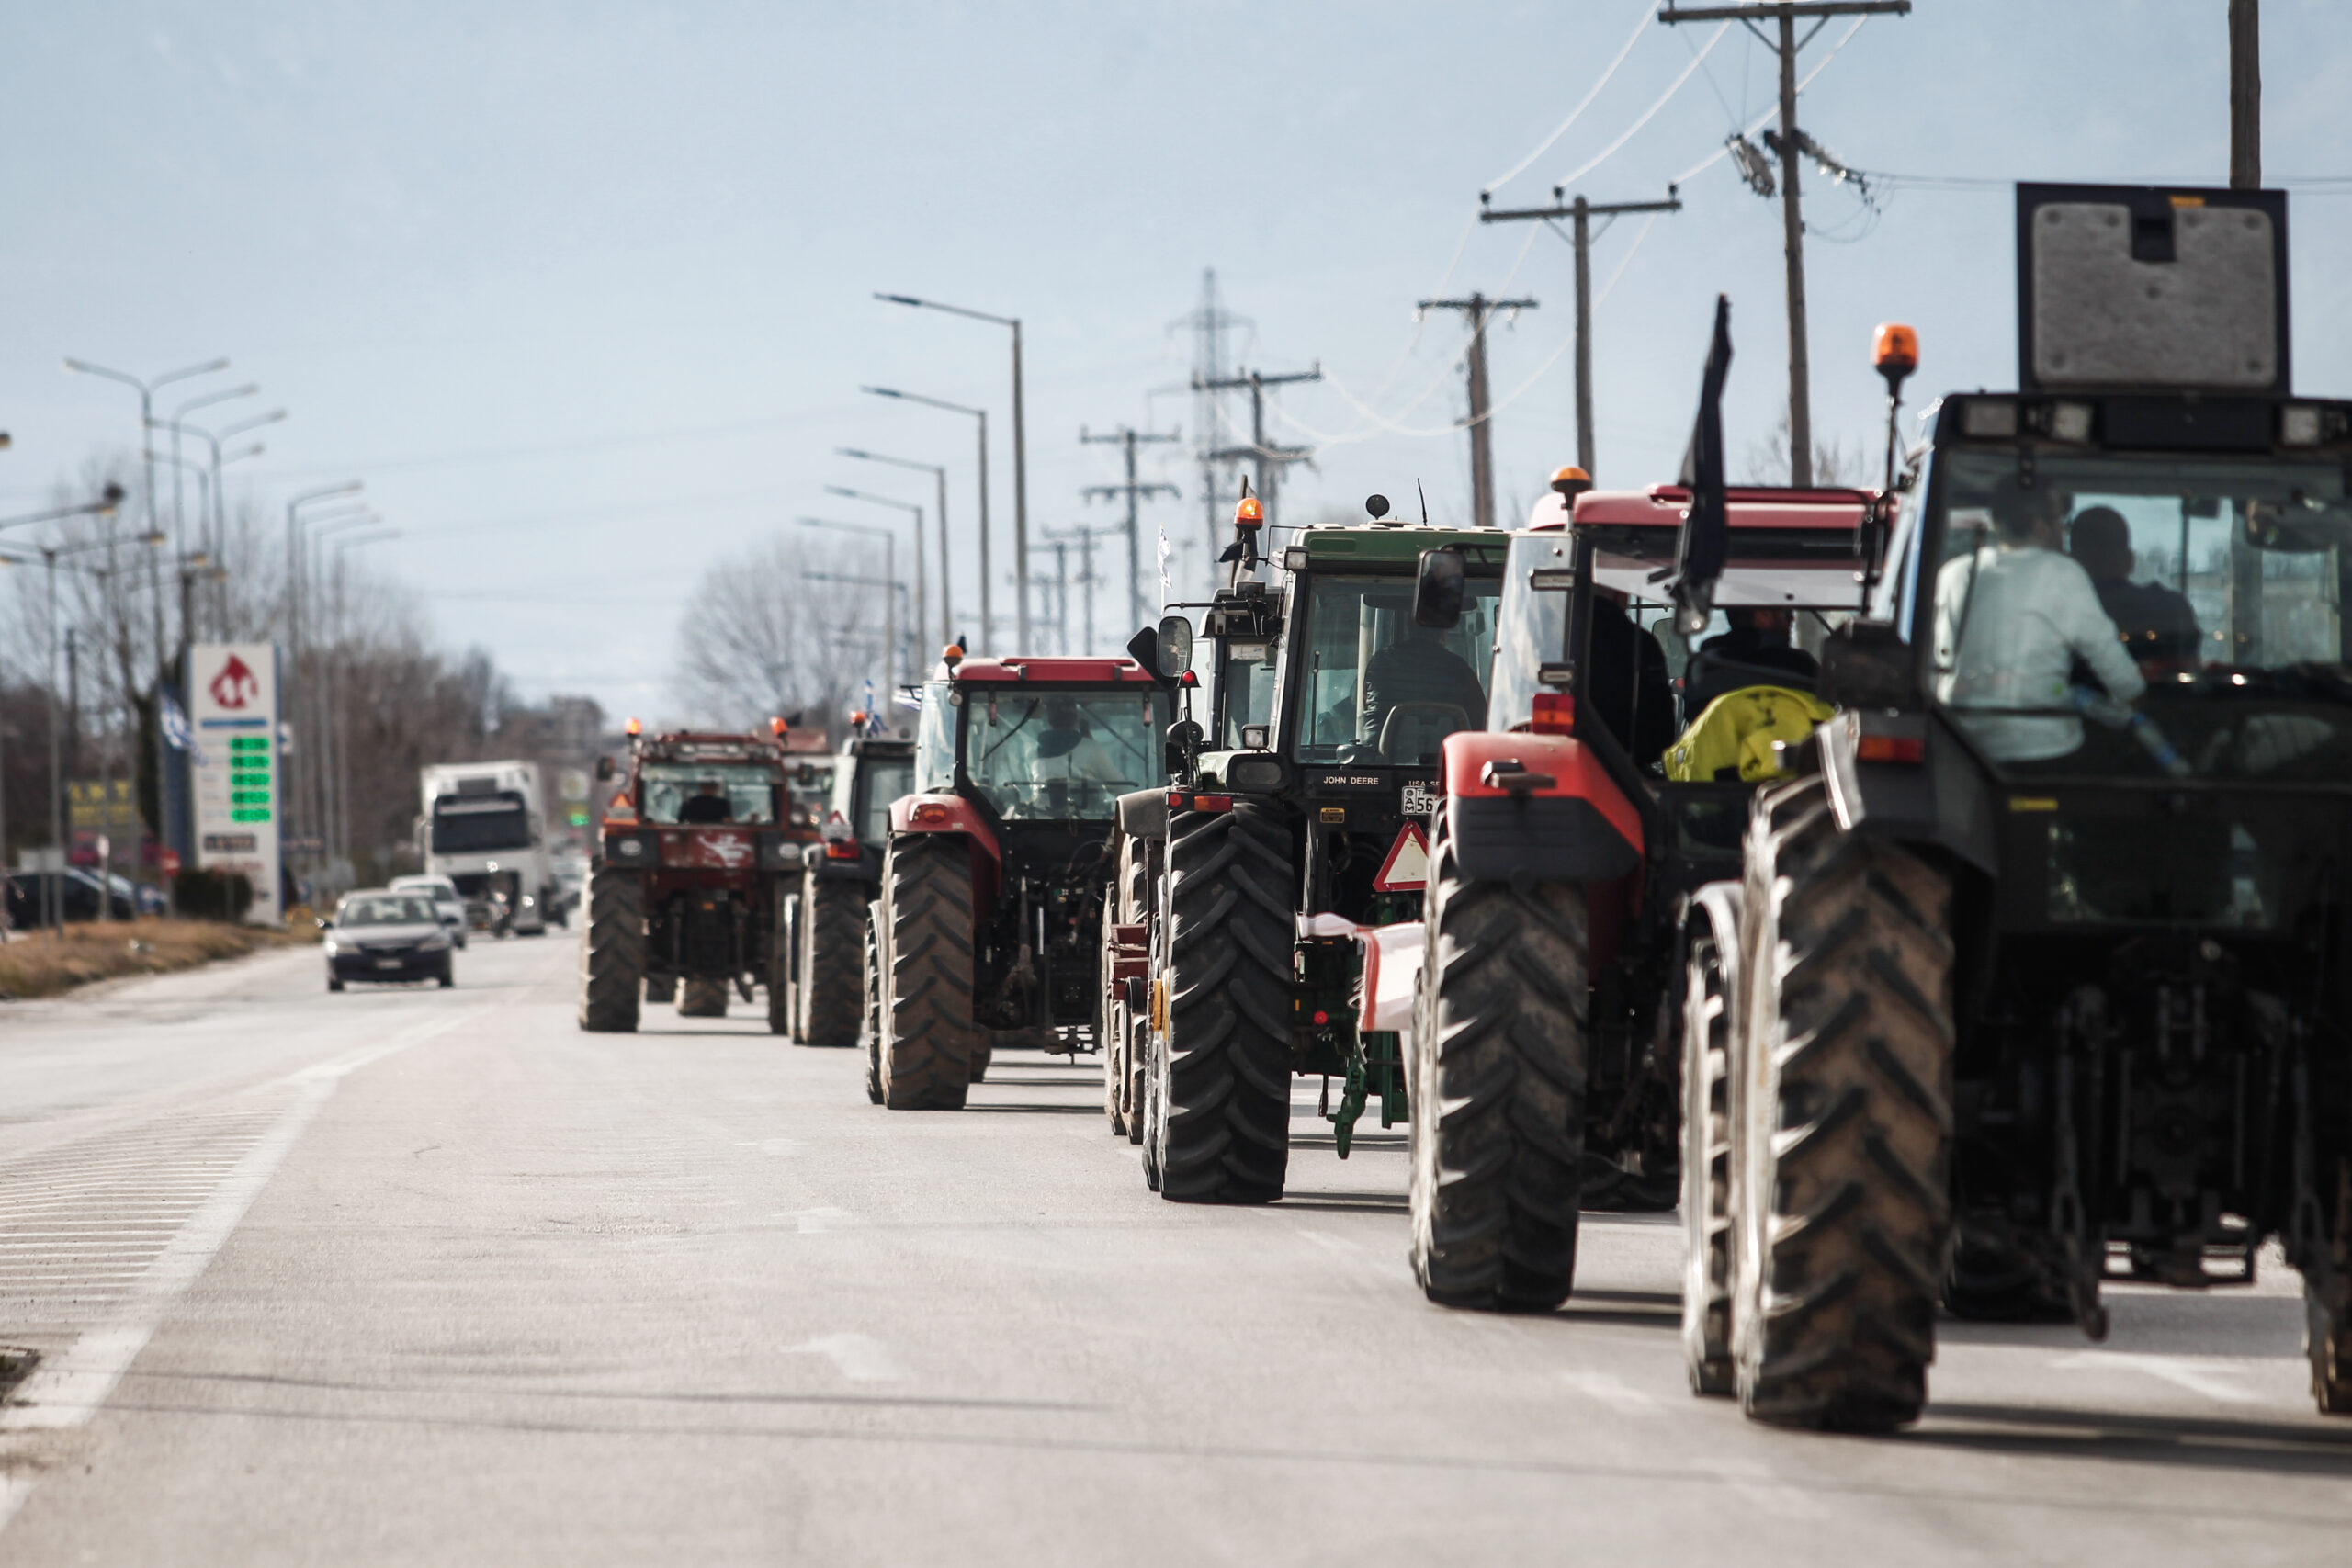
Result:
{"points": [[236, 684]]}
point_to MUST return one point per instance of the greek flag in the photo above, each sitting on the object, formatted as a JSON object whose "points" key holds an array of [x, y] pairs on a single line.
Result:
{"points": [[176, 730], [873, 714]]}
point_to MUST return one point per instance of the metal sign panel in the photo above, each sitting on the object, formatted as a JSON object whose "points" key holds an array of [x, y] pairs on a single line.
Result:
{"points": [[233, 704]]}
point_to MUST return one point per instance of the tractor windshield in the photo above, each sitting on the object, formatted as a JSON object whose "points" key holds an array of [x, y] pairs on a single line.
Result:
{"points": [[1379, 688], [2190, 609], [709, 792], [1059, 755]]}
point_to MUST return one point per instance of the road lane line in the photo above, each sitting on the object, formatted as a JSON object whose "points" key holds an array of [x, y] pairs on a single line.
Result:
{"points": [[1615, 1393], [66, 1390], [860, 1358], [2190, 1372]]}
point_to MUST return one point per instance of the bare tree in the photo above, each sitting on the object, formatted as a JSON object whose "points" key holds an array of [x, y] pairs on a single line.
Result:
{"points": [[761, 637], [1833, 466]]}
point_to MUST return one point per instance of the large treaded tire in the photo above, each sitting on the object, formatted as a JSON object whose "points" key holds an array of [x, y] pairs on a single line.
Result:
{"points": [[832, 922], [1707, 1004], [1498, 1092], [780, 993], [928, 1038], [869, 1029], [612, 958], [1842, 1117], [1223, 1126], [701, 999]]}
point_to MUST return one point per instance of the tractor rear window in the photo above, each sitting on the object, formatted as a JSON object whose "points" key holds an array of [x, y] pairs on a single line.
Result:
{"points": [[2135, 614], [882, 780], [709, 792], [1060, 755], [1380, 688]]}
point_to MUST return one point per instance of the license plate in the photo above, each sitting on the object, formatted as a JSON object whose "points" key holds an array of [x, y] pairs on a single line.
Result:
{"points": [[390, 963], [1421, 800]]}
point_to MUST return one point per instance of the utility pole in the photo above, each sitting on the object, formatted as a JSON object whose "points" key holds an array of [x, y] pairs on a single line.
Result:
{"points": [[1580, 214], [1268, 458], [1788, 46], [2246, 94], [1085, 538], [1477, 309], [1209, 324], [1128, 438]]}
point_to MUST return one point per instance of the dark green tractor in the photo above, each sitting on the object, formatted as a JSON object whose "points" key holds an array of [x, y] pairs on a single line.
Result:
{"points": [[1297, 819]]}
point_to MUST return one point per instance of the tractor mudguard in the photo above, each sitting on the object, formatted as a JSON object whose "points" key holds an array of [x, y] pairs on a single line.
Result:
{"points": [[1907, 776], [1144, 814], [954, 814], [1564, 820]]}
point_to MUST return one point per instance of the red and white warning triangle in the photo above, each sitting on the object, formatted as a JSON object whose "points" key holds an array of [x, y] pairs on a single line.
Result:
{"points": [[1407, 869]]}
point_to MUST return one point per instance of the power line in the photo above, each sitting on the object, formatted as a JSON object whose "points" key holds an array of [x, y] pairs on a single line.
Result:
{"points": [[1127, 439], [1475, 309], [1267, 459], [1640, 23]]}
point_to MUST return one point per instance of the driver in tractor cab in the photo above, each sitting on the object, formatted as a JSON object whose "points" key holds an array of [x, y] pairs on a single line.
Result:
{"points": [[1069, 741], [1419, 668], [1758, 643], [2156, 624], [2012, 616], [708, 804]]}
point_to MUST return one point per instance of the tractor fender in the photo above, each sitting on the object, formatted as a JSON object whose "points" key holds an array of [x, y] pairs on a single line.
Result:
{"points": [[1143, 814], [954, 814], [1934, 793], [1577, 827]]}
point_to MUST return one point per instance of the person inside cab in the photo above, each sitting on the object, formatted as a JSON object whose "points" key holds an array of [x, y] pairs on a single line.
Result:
{"points": [[1419, 675], [1629, 685], [2156, 624], [1066, 747], [708, 804], [2012, 616], [1756, 651]]}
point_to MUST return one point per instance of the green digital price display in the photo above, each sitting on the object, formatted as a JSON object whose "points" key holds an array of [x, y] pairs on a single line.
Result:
{"points": [[248, 780], [249, 743], [247, 813], [249, 798]]}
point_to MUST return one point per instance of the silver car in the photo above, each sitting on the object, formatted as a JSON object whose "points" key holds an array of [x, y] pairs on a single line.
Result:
{"points": [[447, 902]]}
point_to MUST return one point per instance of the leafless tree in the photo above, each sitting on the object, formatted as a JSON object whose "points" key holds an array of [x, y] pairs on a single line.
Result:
{"points": [[761, 637], [1834, 462]]}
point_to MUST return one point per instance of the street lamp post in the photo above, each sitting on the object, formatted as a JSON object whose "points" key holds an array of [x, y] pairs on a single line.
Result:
{"points": [[216, 528], [988, 622], [175, 425], [1020, 448], [339, 778], [891, 649], [294, 573], [946, 599], [914, 514]]}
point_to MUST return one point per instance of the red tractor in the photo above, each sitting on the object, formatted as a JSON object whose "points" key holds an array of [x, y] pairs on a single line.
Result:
{"points": [[988, 931], [699, 843]]}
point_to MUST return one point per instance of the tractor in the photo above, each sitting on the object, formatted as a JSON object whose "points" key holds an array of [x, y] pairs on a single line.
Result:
{"points": [[697, 851], [988, 928], [820, 1000], [1294, 823]]}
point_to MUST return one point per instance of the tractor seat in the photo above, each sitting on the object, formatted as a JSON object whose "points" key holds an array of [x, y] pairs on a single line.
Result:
{"points": [[1410, 732]]}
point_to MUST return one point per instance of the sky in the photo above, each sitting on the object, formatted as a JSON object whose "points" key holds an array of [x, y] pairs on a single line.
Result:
{"points": [[582, 292]]}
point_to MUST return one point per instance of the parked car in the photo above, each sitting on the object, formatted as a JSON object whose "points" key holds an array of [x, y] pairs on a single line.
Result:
{"points": [[84, 896], [447, 902], [379, 934]]}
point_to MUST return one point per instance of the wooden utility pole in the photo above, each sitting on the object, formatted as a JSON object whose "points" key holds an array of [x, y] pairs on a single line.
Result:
{"points": [[1135, 491], [2246, 94], [1580, 214], [1475, 309], [1788, 46], [1268, 458]]}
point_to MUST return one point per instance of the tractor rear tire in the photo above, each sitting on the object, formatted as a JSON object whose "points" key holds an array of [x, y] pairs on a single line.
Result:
{"points": [[928, 1038], [1129, 898], [1224, 1127], [1707, 1005], [1842, 1120], [869, 1032], [612, 959], [1498, 1092], [831, 914], [701, 999]]}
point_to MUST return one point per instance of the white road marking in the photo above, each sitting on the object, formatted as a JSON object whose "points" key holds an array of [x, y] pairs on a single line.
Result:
{"points": [[2197, 1374], [66, 1390], [1615, 1393], [860, 1358], [1755, 1485], [816, 1221], [1329, 1242]]}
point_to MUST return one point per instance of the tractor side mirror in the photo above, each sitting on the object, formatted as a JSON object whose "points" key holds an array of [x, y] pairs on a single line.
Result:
{"points": [[604, 769], [1437, 591], [1175, 647], [1184, 741]]}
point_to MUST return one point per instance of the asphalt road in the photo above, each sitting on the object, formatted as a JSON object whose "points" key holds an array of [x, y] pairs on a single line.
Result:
{"points": [[430, 1276]]}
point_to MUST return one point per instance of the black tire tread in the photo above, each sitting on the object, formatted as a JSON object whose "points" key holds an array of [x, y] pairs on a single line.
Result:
{"points": [[928, 1038], [1707, 1006], [612, 957], [1497, 1097], [832, 916], [1850, 1151], [700, 998]]}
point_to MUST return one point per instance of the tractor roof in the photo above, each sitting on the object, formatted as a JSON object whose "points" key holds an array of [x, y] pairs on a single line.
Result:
{"points": [[1820, 509], [709, 746], [1014, 667], [1380, 543]]}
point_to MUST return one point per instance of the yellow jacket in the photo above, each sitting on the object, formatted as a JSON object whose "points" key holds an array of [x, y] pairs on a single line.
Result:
{"points": [[1736, 731]]}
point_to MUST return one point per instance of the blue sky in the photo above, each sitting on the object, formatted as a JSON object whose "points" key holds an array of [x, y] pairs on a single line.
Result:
{"points": [[582, 290]]}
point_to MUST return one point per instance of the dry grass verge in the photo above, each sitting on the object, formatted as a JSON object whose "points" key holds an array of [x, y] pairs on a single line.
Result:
{"points": [[36, 964]]}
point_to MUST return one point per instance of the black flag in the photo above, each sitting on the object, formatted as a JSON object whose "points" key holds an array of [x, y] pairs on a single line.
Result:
{"points": [[1698, 552]]}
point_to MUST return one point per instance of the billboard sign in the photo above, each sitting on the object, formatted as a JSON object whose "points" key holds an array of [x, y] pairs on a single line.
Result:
{"points": [[232, 708]]}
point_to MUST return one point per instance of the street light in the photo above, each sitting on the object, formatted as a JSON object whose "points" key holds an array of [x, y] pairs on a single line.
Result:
{"points": [[294, 576], [249, 389], [336, 758], [914, 513], [890, 648], [988, 621], [938, 473], [217, 527], [1020, 450]]}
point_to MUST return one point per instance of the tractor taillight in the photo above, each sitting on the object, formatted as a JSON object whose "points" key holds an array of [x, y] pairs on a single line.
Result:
{"points": [[1555, 714], [840, 849], [1212, 803], [1911, 749], [931, 812]]}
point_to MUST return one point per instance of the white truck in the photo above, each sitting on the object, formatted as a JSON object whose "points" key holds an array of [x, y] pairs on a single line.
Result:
{"points": [[485, 828]]}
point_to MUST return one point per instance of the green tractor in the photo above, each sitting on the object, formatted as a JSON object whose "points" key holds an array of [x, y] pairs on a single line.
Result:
{"points": [[1293, 824]]}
